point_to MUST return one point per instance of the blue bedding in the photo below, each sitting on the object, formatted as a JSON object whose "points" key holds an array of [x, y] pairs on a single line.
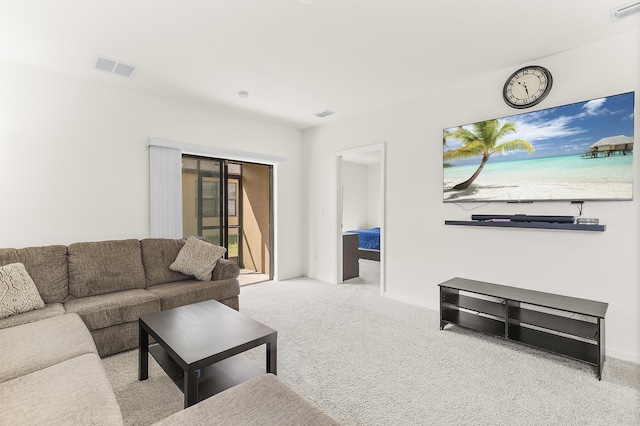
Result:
{"points": [[368, 238]]}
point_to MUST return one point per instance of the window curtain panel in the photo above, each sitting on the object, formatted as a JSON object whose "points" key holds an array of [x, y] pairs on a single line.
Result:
{"points": [[165, 180]]}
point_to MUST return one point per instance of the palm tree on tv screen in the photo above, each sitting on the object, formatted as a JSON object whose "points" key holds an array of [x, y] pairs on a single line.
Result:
{"points": [[483, 140]]}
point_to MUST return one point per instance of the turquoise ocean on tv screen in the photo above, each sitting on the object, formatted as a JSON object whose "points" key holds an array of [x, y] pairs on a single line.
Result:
{"points": [[568, 169]]}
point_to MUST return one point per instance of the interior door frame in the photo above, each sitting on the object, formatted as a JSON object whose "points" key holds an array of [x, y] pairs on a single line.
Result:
{"points": [[381, 148]]}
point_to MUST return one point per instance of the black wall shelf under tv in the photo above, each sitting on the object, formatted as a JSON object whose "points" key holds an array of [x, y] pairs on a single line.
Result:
{"points": [[530, 225]]}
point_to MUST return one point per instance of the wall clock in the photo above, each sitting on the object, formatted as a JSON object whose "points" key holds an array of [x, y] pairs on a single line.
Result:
{"points": [[527, 87]]}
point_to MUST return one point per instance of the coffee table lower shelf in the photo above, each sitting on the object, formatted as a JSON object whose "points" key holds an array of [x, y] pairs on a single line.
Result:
{"points": [[213, 379]]}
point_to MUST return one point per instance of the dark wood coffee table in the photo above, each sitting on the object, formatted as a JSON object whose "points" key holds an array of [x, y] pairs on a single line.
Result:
{"points": [[199, 347]]}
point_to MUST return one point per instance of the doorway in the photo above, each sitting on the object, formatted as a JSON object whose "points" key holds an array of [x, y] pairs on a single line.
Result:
{"points": [[230, 203], [363, 207]]}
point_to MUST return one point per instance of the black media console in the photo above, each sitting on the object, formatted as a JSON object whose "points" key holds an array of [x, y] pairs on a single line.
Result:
{"points": [[563, 325]]}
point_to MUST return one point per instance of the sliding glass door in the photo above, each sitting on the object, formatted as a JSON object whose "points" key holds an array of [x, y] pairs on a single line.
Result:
{"points": [[204, 199], [230, 203]]}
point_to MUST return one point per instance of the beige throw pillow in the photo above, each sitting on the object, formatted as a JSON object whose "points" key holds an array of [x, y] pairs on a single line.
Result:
{"points": [[197, 258], [18, 292]]}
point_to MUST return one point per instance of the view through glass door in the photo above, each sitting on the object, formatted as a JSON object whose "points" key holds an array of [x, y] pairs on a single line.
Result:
{"points": [[203, 194], [230, 203]]}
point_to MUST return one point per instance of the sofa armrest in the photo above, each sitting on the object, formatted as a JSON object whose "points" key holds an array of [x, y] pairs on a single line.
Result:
{"points": [[225, 269]]}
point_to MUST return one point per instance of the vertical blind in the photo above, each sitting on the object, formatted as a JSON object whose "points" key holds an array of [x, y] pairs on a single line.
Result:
{"points": [[165, 180]]}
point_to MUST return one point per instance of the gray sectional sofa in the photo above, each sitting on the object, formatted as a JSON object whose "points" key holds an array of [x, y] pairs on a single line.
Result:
{"points": [[94, 292], [110, 284]]}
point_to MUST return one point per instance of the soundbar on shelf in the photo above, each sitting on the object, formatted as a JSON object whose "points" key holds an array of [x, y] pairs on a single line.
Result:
{"points": [[523, 218]]}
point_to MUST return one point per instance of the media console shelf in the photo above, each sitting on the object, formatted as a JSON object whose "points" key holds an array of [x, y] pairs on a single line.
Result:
{"points": [[534, 225], [563, 325]]}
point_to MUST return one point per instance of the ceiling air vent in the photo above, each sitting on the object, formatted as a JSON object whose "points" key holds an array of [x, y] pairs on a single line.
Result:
{"points": [[109, 65], [324, 113]]}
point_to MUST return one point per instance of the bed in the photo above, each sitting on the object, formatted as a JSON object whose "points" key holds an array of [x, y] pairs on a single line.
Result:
{"points": [[368, 243]]}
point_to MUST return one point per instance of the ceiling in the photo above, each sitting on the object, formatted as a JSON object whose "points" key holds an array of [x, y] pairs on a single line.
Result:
{"points": [[297, 59]]}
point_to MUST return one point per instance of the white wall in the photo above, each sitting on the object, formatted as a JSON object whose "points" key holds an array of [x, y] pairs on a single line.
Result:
{"points": [[373, 196], [74, 165], [600, 266], [361, 199], [355, 204]]}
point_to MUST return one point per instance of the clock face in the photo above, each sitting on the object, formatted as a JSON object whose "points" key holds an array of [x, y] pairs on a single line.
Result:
{"points": [[527, 87]]}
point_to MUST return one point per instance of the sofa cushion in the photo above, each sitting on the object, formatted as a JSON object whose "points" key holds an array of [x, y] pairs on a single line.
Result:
{"points": [[30, 347], [182, 293], [263, 400], [105, 267], [50, 310], [47, 266], [117, 338], [73, 392], [105, 310], [18, 292], [197, 258], [157, 255]]}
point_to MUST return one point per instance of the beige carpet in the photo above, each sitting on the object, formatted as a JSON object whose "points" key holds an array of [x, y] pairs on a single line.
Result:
{"points": [[142, 402], [367, 360]]}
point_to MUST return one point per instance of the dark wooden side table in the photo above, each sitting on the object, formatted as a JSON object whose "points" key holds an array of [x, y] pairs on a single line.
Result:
{"points": [[200, 345]]}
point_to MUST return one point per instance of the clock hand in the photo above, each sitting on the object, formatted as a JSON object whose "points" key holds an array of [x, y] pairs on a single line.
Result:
{"points": [[525, 87]]}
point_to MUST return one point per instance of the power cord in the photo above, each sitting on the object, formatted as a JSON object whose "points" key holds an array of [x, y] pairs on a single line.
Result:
{"points": [[579, 204]]}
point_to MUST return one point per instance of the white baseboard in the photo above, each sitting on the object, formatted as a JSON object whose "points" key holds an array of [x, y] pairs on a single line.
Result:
{"points": [[625, 356], [286, 277], [322, 278], [404, 299]]}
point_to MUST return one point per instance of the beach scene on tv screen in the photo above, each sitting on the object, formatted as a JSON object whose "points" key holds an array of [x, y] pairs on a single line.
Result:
{"points": [[581, 151]]}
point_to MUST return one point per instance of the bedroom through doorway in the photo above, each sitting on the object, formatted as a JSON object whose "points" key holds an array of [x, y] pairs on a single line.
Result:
{"points": [[360, 177]]}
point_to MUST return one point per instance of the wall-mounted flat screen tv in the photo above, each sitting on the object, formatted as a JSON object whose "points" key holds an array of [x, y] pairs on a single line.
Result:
{"points": [[576, 152]]}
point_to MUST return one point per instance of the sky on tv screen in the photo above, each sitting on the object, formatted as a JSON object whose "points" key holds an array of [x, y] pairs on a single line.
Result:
{"points": [[568, 129]]}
